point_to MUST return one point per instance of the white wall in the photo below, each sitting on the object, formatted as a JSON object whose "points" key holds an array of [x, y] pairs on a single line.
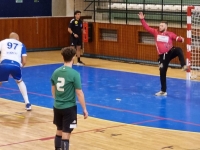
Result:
{"points": [[66, 7], [81, 5], [59, 7], [69, 8]]}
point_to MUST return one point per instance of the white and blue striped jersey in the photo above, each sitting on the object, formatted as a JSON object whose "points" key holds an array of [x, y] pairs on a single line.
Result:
{"points": [[13, 50]]}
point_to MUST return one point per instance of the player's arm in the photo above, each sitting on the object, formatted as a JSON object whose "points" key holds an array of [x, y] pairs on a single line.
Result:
{"points": [[144, 24], [80, 95], [53, 90], [53, 86], [23, 61], [177, 38], [81, 99], [70, 30], [24, 55], [70, 27]]}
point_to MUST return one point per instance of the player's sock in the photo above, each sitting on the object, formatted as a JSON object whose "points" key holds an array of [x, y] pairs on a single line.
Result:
{"points": [[78, 59], [57, 142], [23, 90], [65, 144]]}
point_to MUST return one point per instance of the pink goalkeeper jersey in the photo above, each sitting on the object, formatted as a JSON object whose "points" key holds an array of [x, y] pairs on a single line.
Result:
{"points": [[163, 40]]}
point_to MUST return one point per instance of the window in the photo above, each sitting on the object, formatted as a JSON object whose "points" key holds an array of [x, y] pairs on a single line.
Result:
{"points": [[108, 35], [146, 38]]}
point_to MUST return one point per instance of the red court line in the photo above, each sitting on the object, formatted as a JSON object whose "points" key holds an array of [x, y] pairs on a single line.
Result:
{"points": [[10, 93], [28, 92], [147, 121], [124, 110], [23, 122], [52, 137], [142, 114], [182, 121], [19, 142], [117, 109]]}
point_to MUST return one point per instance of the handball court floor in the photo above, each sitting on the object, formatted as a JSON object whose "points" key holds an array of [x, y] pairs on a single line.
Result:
{"points": [[124, 113]]}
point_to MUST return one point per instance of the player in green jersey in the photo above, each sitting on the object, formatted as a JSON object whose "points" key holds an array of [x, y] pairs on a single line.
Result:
{"points": [[66, 85]]}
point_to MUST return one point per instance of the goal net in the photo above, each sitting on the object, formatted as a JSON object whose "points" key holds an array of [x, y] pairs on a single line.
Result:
{"points": [[193, 42]]}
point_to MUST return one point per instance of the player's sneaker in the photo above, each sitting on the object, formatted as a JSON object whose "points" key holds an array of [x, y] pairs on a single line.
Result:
{"points": [[161, 93], [185, 68], [28, 106], [80, 63]]}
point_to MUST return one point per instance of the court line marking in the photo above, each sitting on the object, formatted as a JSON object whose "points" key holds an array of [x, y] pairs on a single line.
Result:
{"points": [[171, 130], [117, 109], [27, 92], [10, 93], [52, 137], [26, 123], [113, 70], [142, 114], [121, 125]]}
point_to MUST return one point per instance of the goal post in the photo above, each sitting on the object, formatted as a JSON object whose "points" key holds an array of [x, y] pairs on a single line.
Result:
{"points": [[193, 42]]}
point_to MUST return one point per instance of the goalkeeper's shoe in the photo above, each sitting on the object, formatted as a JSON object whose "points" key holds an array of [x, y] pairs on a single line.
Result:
{"points": [[80, 63], [161, 93], [185, 68]]}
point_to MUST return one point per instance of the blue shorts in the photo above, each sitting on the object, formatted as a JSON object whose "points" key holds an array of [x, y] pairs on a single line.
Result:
{"points": [[12, 69]]}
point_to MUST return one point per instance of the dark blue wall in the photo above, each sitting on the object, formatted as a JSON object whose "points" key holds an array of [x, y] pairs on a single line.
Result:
{"points": [[9, 8]]}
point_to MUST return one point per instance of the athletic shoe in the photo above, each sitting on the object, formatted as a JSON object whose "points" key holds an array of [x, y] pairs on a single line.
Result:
{"points": [[185, 68], [161, 93], [28, 106], [80, 63]]}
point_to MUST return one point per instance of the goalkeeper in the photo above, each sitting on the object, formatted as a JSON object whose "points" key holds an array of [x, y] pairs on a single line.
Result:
{"points": [[166, 50]]}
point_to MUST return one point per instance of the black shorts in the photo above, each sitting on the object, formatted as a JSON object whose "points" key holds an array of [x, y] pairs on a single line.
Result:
{"points": [[65, 119], [76, 41]]}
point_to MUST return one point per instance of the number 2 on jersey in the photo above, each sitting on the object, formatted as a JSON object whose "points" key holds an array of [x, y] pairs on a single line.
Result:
{"points": [[11, 45], [60, 84]]}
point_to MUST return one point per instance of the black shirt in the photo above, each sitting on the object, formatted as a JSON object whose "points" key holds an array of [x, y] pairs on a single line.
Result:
{"points": [[76, 26]]}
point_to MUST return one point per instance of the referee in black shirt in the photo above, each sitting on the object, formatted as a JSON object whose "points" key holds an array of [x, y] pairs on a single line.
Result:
{"points": [[75, 29]]}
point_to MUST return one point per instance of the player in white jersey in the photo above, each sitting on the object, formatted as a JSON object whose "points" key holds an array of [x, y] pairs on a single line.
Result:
{"points": [[12, 58]]}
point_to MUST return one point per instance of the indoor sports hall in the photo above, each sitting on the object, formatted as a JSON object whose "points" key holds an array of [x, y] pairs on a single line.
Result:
{"points": [[119, 79]]}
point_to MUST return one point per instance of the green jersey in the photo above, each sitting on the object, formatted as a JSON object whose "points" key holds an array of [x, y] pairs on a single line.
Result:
{"points": [[66, 80]]}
